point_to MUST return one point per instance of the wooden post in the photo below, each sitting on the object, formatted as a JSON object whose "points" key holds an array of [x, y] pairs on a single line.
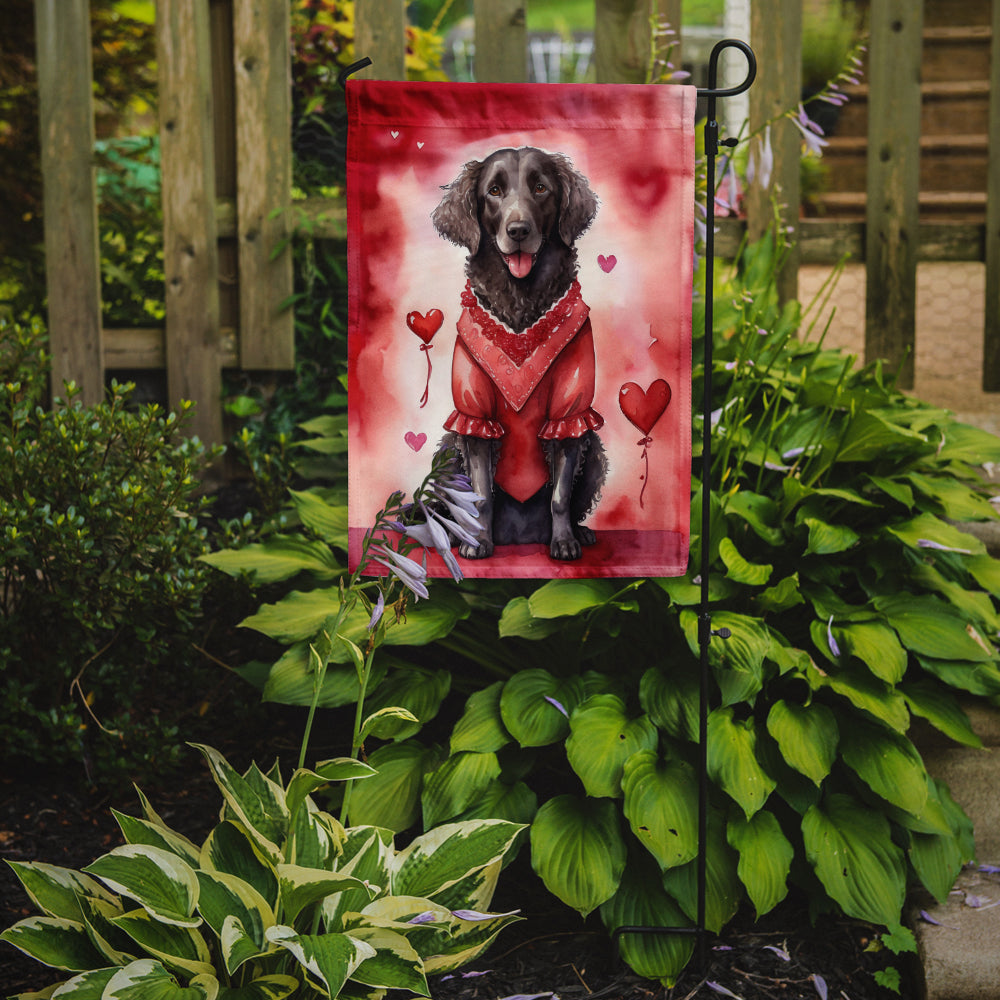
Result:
{"points": [[190, 254], [776, 35], [892, 216], [501, 41], [72, 255], [380, 34], [991, 333], [622, 40], [262, 60]]}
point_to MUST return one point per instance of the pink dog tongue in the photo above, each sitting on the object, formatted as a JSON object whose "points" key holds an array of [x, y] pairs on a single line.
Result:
{"points": [[519, 264]]}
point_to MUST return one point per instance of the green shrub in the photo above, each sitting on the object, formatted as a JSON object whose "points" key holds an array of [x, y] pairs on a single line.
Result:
{"points": [[99, 546]]}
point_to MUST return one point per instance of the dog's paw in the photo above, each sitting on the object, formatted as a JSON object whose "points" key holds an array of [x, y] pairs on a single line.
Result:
{"points": [[481, 551], [584, 535], [565, 549]]}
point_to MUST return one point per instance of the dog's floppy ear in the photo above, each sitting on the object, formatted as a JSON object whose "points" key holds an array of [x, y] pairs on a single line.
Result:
{"points": [[578, 205], [457, 216]]}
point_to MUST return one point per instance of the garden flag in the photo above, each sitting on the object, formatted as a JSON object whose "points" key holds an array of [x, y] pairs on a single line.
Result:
{"points": [[520, 274]]}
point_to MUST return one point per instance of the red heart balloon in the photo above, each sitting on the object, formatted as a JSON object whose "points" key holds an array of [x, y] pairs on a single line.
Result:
{"points": [[644, 408], [425, 326]]}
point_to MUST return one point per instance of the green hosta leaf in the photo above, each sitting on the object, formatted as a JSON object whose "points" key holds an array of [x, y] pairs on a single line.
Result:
{"points": [[765, 858], [301, 887], [671, 700], [986, 572], [230, 849], [783, 595], [931, 628], [438, 859], [876, 646], [683, 592], [56, 891], [561, 598], [395, 964], [937, 859], [387, 723], [758, 511], [481, 728], [723, 889], [327, 520], [180, 948], [941, 709], [807, 736], [965, 443], [330, 959], [957, 501], [870, 435], [738, 661], [279, 558], [54, 941], [304, 782], [160, 882], [866, 692], [888, 763], [661, 799], [739, 569], [976, 678], [827, 539], [391, 798], [226, 898], [530, 706], [602, 738], [275, 987], [147, 979], [418, 691], [291, 680], [456, 784], [516, 803], [578, 851], [732, 760], [141, 831], [893, 488], [928, 528], [975, 605], [641, 901], [850, 847], [517, 620], [260, 809]]}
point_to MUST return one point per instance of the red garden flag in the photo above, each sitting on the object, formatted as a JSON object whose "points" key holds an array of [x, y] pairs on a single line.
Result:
{"points": [[520, 276]]}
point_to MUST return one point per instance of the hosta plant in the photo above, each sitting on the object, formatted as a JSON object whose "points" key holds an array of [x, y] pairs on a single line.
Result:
{"points": [[279, 900]]}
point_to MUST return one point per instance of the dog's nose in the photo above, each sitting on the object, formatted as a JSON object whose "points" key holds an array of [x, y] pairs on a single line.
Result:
{"points": [[518, 230]]}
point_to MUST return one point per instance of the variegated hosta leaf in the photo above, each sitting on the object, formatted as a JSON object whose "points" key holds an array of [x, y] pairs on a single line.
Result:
{"points": [[301, 887], [456, 784], [850, 847], [661, 805], [56, 891], [147, 979], [225, 897], [466, 941], [158, 880], [54, 941], [99, 915], [177, 947], [395, 964], [481, 727], [315, 838], [441, 857], [888, 763], [328, 959], [535, 706], [230, 849], [256, 801], [765, 858], [642, 902], [304, 782], [476, 890], [86, 986], [602, 737], [732, 760], [391, 799], [578, 851], [141, 831], [807, 736], [274, 987], [367, 853]]}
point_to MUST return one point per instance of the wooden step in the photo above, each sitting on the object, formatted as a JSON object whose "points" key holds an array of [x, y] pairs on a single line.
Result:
{"points": [[956, 53], [958, 206], [939, 13]]}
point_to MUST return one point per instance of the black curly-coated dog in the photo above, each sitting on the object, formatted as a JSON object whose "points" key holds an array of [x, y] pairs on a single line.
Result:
{"points": [[527, 440]]}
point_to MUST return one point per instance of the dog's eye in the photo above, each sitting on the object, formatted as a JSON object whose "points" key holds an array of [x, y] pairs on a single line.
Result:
{"points": [[494, 191], [540, 188]]}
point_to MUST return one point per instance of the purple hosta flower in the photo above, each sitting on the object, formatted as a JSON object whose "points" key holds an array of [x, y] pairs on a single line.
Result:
{"points": [[728, 199], [552, 701], [427, 917], [812, 134], [531, 996], [475, 915], [989, 869], [408, 571], [834, 648], [377, 611], [760, 165], [719, 988], [820, 983], [465, 975], [927, 543], [780, 952], [927, 918]]}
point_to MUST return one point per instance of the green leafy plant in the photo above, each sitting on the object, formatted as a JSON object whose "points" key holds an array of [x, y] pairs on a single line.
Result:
{"points": [[100, 580], [279, 899]]}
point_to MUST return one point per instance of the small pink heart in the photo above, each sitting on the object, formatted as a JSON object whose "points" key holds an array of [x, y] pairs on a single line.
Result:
{"points": [[415, 441], [607, 263]]}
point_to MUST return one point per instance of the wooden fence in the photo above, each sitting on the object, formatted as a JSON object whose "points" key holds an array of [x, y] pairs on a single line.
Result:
{"points": [[226, 161]]}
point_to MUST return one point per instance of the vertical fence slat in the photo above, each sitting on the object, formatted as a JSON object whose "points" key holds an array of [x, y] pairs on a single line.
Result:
{"points": [[991, 333], [190, 253], [261, 57], [501, 41], [892, 215], [380, 34], [621, 40], [72, 257], [776, 35]]}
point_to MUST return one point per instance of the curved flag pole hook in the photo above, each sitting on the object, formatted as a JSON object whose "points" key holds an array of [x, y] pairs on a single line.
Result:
{"points": [[349, 70], [705, 631]]}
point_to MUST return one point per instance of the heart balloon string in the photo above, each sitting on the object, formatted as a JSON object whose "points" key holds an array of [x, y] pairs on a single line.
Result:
{"points": [[643, 407], [425, 326]]}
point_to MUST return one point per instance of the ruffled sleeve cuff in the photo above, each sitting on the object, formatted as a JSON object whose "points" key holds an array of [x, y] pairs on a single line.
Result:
{"points": [[480, 427], [573, 426]]}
